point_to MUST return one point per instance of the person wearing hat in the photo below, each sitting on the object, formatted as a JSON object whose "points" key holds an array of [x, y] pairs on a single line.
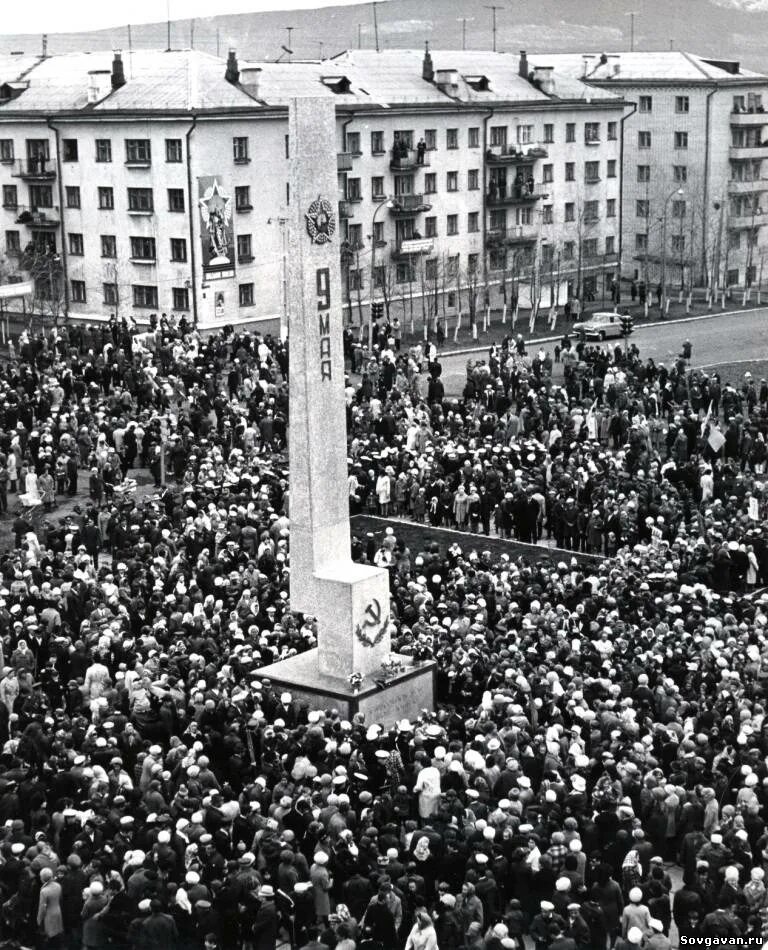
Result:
{"points": [[541, 925], [636, 914], [49, 916], [321, 885], [265, 926]]}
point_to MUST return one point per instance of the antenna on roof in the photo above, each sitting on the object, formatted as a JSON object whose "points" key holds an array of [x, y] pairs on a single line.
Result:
{"points": [[464, 20], [288, 48], [168, 25], [359, 35], [493, 8], [192, 33], [218, 50], [45, 45], [375, 26], [631, 15]]}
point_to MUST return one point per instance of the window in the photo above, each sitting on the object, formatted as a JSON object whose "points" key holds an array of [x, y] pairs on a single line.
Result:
{"points": [[610, 208], [590, 247], [175, 199], [641, 242], [452, 181], [377, 187], [549, 133], [610, 244], [137, 152], [678, 209], [547, 254], [570, 171], [643, 139], [473, 222], [682, 104], [144, 296], [548, 174], [734, 240], [140, 199], [498, 135], [244, 249], [473, 179], [678, 243], [591, 211], [613, 131], [681, 140], [611, 168], [173, 150], [72, 196], [142, 248], [378, 233], [106, 199], [680, 172], [591, 171], [524, 134], [110, 294], [69, 150], [245, 295], [646, 103], [591, 133], [77, 288], [178, 250], [430, 183], [472, 262], [354, 190], [355, 278], [12, 242], [546, 214], [108, 245], [243, 198], [377, 143], [451, 138], [355, 235], [642, 208], [643, 174], [570, 211], [103, 150], [6, 154], [452, 267], [180, 296], [41, 196], [76, 244], [430, 269], [10, 196], [404, 272], [430, 227], [570, 131], [430, 139], [569, 249], [353, 143], [452, 224], [473, 137], [240, 150]]}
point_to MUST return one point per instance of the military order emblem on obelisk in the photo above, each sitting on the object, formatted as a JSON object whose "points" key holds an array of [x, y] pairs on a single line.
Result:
{"points": [[349, 600]]}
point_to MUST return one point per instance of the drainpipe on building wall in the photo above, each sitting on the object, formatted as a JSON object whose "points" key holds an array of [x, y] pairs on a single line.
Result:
{"points": [[192, 211], [370, 291], [621, 192], [705, 215], [484, 226], [64, 267]]}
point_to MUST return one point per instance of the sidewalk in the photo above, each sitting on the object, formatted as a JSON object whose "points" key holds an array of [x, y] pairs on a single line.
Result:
{"points": [[497, 330]]}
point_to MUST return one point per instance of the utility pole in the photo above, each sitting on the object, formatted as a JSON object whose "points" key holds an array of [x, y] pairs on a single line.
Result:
{"points": [[192, 33], [493, 8], [631, 15], [289, 30], [320, 45], [375, 26], [359, 35], [217, 42], [168, 25]]}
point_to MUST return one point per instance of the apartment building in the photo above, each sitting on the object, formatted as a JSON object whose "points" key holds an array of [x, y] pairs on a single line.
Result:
{"points": [[695, 164], [158, 182]]}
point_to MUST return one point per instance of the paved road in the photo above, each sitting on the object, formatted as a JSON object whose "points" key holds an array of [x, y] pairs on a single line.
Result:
{"points": [[716, 340]]}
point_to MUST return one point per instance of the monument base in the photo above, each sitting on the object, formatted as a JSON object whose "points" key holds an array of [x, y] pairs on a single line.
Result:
{"points": [[403, 696]]}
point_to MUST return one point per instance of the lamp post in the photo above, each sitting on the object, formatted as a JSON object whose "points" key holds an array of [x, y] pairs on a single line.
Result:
{"points": [[384, 204], [663, 299]]}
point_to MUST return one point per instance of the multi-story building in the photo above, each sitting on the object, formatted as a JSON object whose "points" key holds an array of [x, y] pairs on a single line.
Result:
{"points": [[158, 182], [695, 164]]}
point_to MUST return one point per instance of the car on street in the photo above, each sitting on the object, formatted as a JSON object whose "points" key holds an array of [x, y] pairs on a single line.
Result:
{"points": [[599, 326]]}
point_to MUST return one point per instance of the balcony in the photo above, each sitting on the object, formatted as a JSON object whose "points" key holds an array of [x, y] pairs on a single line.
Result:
{"points": [[747, 187], [516, 234], [414, 246], [34, 169], [749, 118], [407, 159], [344, 161], [345, 210], [38, 217], [738, 221], [514, 154], [516, 194], [409, 204], [749, 151]]}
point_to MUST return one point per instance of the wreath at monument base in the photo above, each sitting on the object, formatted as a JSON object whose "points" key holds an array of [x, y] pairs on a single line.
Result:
{"points": [[366, 642]]}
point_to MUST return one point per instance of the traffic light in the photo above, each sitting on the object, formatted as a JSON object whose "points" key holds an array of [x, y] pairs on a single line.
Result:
{"points": [[377, 310], [626, 325]]}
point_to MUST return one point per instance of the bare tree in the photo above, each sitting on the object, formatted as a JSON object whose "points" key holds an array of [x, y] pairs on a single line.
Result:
{"points": [[43, 264]]}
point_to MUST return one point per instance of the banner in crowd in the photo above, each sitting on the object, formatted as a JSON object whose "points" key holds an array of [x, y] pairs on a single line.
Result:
{"points": [[216, 229]]}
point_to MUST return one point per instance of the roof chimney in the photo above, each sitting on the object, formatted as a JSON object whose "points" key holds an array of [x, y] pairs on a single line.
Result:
{"points": [[427, 69], [523, 64], [118, 73], [233, 73]]}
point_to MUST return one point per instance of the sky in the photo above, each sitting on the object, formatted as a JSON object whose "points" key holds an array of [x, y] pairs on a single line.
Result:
{"points": [[53, 16]]}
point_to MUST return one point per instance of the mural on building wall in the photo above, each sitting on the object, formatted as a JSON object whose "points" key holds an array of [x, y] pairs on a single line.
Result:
{"points": [[217, 232]]}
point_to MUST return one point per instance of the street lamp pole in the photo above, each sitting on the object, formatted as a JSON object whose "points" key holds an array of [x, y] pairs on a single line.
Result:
{"points": [[384, 204], [663, 299]]}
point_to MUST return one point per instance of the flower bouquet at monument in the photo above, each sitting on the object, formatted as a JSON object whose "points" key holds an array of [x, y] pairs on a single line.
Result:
{"points": [[355, 681], [421, 652], [390, 665]]}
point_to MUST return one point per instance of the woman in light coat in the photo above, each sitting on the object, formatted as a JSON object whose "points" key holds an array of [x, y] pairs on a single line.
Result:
{"points": [[49, 918], [422, 935]]}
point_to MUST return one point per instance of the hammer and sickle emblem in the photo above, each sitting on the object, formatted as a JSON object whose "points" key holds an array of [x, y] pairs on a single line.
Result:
{"points": [[373, 611], [373, 626]]}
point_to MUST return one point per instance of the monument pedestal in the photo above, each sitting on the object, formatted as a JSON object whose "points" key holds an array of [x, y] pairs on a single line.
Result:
{"points": [[402, 697]]}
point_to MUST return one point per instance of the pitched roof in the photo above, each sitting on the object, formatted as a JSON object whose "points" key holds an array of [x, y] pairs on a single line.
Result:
{"points": [[639, 66]]}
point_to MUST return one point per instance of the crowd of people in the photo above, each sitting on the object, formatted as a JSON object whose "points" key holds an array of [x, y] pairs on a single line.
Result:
{"points": [[595, 773]]}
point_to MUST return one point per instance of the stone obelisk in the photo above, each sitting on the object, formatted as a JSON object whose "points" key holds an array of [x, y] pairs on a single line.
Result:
{"points": [[349, 600]]}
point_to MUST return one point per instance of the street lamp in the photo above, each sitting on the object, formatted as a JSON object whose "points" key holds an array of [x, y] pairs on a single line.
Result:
{"points": [[663, 299], [389, 203]]}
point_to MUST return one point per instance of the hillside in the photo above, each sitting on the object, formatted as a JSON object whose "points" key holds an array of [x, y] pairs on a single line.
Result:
{"points": [[733, 29]]}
